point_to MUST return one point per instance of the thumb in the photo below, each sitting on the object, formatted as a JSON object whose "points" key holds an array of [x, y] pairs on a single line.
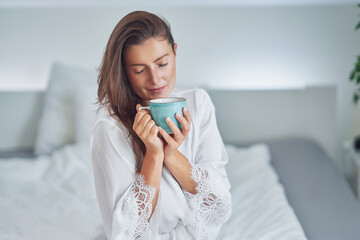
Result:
{"points": [[137, 107]]}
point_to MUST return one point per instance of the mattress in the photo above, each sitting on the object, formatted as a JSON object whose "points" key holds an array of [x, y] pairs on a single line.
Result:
{"points": [[319, 194]]}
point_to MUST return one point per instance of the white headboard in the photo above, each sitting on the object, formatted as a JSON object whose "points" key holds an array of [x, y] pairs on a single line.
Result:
{"points": [[244, 116], [247, 116]]}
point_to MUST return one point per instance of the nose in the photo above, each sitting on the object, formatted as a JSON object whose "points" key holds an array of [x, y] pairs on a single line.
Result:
{"points": [[154, 77]]}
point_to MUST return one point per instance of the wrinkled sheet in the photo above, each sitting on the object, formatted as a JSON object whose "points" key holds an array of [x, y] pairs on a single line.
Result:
{"points": [[53, 197], [260, 209], [50, 197]]}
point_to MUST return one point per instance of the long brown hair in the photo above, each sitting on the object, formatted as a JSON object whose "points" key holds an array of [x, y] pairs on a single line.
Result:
{"points": [[115, 91]]}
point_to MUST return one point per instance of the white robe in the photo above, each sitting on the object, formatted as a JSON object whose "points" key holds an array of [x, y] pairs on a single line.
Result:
{"points": [[124, 198]]}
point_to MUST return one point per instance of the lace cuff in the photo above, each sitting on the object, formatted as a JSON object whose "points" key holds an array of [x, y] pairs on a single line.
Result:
{"points": [[210, 209], [144, 195]]}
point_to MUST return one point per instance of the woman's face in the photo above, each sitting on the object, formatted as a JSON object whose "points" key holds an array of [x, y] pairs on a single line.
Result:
{"points": [[150, 67]]}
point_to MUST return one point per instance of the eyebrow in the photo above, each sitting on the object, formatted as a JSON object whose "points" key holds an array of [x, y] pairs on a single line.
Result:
{"points": [[154, 61]]}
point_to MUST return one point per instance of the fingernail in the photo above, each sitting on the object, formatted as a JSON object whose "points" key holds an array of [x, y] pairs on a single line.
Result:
{"points": [[168, 119], [185, 109], [178, 115]]}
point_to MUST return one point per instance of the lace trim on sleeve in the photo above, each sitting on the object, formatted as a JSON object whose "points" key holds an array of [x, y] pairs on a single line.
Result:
{"points": [[209, 209], [144, 195]]}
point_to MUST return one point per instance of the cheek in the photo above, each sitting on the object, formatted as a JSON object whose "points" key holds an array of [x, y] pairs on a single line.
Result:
{"points": [[136, 82], [170, 72]]}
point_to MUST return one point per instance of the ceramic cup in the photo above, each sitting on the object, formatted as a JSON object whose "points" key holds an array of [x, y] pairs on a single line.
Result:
{"points": [[166, 107]]}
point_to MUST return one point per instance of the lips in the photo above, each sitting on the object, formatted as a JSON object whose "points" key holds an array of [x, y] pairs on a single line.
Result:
{"points": [[157, 90]]}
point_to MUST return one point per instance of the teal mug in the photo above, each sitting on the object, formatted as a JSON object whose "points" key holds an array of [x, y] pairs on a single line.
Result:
{"points": [[166, 107]]}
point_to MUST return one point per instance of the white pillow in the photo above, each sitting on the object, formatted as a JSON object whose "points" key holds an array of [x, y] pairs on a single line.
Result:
{"points": [[57, 125], [85, 112]]}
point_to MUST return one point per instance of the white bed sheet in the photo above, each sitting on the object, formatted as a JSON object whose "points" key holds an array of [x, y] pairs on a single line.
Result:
{"points": [[53, 197], [260, 209]]}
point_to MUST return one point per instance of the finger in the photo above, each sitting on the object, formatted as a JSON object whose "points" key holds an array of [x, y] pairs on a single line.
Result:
{"points": [[138, 106], [166, 136], [137, 119], [176, 131], [187, 115], [148, 128], [144, 120], [185, 126], [154, 130], [141, 118]]}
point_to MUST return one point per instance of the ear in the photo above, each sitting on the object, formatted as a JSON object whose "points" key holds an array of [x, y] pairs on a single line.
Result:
{"points": [[175, 47]]}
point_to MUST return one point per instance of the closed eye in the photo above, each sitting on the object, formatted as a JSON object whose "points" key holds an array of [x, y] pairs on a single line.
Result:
{"points": [[139, 71], [163, 65]]}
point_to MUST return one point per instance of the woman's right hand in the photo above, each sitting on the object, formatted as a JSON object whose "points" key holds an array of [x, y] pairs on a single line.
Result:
{"points": [[147, 131]]}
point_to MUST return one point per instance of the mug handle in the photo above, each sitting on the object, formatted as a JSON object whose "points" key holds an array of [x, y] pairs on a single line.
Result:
{"points": [[146, 107]]}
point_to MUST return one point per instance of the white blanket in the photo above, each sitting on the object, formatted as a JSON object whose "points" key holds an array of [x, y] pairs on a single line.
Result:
{"points": [[53, 197]]}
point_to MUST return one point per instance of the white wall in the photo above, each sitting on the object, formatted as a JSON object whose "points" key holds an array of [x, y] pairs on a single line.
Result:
{"points": [[310, 44], [313, 45]]}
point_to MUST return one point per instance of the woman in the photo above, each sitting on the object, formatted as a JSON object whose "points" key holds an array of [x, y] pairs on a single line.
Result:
{"points": [[149, 184]]}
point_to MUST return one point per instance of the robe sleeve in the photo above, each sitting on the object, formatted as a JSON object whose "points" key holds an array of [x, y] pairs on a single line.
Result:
{"points": [[124, 198], [211, 205]]}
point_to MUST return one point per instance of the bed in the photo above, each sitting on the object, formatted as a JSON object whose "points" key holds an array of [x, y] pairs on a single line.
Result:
{"points": [[281, 149]]}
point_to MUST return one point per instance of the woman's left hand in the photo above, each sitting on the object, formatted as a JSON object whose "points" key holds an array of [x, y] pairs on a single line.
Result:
{"points": [[173, 142]]}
